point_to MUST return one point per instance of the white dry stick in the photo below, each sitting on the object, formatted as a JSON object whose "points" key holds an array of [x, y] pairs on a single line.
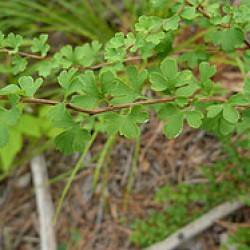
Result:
{"points": [[44, 204], [197, 226]]}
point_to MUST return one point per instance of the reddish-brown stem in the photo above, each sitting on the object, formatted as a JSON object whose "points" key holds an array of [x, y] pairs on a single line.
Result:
{"points": [[25, 54], [94, 67], [115, 107]]}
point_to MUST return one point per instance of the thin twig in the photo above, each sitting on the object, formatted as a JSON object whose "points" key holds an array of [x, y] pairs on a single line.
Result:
{"points": [[21, 53], [197, 226], [116, 107], [94, 67]]}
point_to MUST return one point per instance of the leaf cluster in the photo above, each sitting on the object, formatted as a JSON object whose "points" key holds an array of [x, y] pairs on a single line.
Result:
{"points": [[98, 88]]}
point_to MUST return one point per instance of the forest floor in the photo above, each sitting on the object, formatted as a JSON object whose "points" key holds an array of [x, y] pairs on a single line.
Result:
{"points": [[101, 221]]}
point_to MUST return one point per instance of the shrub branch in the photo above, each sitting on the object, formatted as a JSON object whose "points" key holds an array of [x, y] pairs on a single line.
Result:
{"points": [[119, 107]]}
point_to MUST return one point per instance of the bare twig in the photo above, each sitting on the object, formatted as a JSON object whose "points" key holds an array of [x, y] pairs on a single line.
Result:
{"points": [[44, 204], [197, 226]]}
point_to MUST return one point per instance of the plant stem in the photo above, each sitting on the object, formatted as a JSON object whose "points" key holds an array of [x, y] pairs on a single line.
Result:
{"points": [[66, 174], [72, 176], [102, 158], [10, 52], [115, 107]]}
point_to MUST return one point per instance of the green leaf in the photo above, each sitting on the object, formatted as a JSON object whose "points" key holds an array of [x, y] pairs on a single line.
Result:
{"points": [[1, 39], [29, 125], [174, 126], [123, 93], [19, 64], [187, 90], [189, 13], [168, 77], [171, 23], [226, 127], [117, 41], [159, 83], [86, 55], [125, 124], [72, 140], [10, 89], [60, 117], [169, 68], [168, 109], [129, 129], [70, 81], [13, 41], [88, 84], [114, 50], [243, 125], [107, 79], [85, 101], [228, 39], [138, 115], [66, 78], [155, 38], [206, 71], [44, 68], [230, 114], [181, 101], [40, 45], [9, 151], [29, 86], [115, 55], [148, 23], [4, 136], [136, 78], [111, 122], [65, 57], [9, 117], [239, 99], [246, 88], [146, 48], [128, 123], [185, 77], [130, 40], [194, 118], [214, 110], [193, 58]]}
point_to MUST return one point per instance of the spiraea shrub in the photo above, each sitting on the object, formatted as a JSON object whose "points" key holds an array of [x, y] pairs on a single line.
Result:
{"points": [[112, 87], [166, 65]]}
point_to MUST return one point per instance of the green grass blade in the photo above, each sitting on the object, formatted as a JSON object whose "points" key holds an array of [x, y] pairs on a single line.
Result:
{"points": [[102, 158], [72, 176]]}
